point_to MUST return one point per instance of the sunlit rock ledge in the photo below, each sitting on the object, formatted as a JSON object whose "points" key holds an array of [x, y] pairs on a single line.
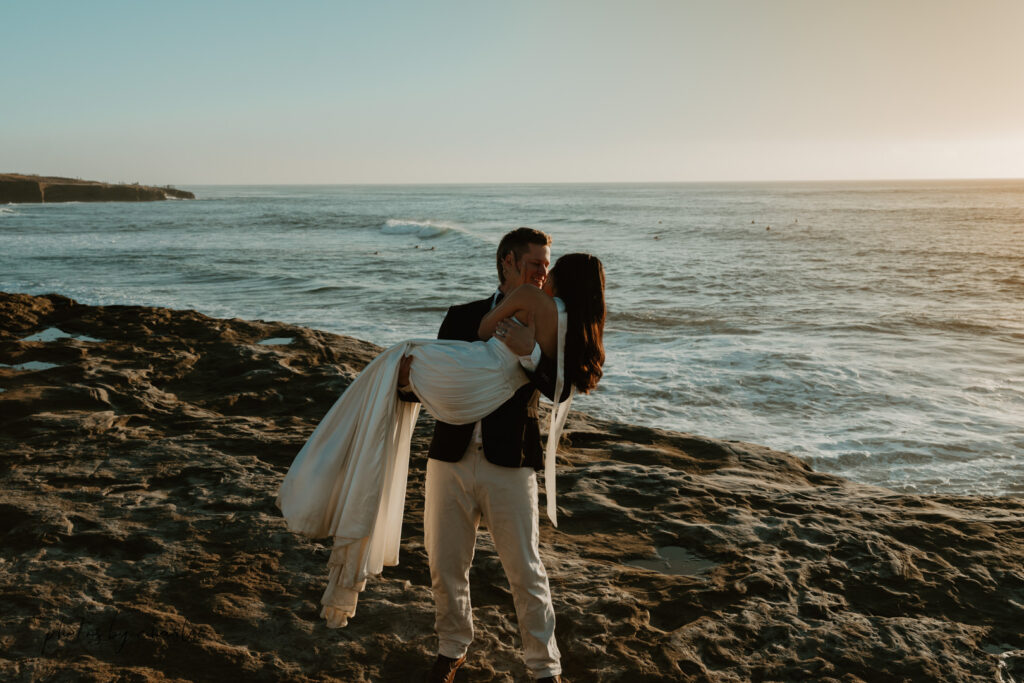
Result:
{"points": [[143, 447], [32, 189]]}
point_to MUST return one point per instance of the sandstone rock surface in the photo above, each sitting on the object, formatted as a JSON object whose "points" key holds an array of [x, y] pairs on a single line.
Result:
{"points": [[142, 449]]}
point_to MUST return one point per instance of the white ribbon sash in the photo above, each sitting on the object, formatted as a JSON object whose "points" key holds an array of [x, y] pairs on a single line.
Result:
{"points": [[559, 411]]}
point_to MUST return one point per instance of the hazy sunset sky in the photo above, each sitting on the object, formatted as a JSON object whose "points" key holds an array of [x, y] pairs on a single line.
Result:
{"points": [[547, 91]]}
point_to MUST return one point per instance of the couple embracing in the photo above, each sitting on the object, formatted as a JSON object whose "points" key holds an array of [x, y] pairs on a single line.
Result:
{"points": [[540, 332]]}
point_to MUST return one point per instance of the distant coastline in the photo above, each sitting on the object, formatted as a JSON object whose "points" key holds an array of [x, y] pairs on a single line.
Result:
{"points": [[16, 188]]}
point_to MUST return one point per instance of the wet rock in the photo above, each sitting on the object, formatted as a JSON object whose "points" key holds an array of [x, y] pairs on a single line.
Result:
{"points": [[140, 539]]}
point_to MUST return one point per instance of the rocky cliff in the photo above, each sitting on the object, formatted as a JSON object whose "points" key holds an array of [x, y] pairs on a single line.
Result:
{"points": [[140, 454], [30, 189]]}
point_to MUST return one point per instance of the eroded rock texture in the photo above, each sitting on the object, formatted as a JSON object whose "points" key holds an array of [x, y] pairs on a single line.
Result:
{"points": [[140, 460]]}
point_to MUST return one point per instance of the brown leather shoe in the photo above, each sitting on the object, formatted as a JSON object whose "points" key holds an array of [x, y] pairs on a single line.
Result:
{"points": [[444, 669]]}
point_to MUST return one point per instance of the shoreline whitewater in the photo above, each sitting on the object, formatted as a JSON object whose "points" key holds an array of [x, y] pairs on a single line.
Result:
{"points": [[142, 449]]}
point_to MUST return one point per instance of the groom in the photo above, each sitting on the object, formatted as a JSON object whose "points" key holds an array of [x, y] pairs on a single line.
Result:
{"points": [[486, 471]]}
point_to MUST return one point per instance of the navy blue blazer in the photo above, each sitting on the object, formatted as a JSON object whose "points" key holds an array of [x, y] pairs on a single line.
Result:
{"points": [[511, 438]]}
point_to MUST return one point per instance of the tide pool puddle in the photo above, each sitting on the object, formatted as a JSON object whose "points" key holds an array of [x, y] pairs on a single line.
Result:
{"points": [[277, 341], [31, 365], [675, 560], [54, 333]]}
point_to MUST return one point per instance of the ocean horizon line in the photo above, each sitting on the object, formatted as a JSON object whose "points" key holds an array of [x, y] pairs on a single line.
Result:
{"points": [[563, 183]]}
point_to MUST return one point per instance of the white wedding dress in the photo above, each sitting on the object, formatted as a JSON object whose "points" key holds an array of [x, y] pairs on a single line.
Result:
{"points": [[349, 479]]}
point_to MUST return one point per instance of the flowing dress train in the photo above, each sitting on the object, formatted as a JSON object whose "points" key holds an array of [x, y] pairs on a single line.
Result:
{"points": [[349, 479]]}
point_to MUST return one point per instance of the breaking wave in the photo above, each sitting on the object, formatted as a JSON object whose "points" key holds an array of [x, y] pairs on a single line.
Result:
{"points": [[423, 229]]}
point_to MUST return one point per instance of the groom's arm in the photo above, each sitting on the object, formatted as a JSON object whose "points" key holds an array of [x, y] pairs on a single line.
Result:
{"points": [[521, 341], [448, 331], [544, 378], [404, 390]]}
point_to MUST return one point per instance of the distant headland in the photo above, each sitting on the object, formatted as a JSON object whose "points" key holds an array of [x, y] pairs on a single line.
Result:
{"points": [[33, 189]]}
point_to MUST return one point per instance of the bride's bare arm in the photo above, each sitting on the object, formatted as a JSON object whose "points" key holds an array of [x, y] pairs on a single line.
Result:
{"points": [[520, 301]]}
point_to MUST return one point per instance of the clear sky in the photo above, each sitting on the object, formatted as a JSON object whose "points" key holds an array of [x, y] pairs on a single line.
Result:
{"points": [[521, 91]]}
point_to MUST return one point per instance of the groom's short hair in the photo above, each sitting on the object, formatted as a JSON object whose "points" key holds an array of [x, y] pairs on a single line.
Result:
{"points": [[518, 242]]}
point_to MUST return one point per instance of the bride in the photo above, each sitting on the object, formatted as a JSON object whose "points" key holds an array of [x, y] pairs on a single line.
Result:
{"points": [[349, 479]]}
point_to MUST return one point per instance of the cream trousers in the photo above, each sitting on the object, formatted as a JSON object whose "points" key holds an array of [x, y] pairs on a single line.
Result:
{"points": [[458, 494]]}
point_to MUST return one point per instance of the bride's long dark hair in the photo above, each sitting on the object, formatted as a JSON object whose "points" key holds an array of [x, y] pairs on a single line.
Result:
{"points": [[579, 282]]}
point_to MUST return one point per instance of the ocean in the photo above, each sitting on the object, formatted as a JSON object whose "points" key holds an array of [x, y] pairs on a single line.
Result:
{"points": [[875, 329]]}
